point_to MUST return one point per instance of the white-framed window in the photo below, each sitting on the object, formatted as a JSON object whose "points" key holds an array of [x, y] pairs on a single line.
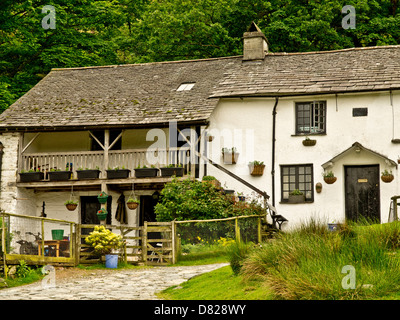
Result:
{"points": [[311, 117]]}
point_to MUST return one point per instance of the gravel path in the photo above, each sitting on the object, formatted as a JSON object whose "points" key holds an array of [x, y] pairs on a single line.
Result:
{"points": [[128, 284]]}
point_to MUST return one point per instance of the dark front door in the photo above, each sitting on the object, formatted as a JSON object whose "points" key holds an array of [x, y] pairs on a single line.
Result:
{"points": [[362, 192], [89, 208]]}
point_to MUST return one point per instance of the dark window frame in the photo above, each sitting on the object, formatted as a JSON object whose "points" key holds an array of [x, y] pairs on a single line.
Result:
{"points": [[311, 115], [294, 174]]}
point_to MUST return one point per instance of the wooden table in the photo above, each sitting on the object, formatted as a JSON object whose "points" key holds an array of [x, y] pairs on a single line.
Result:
{"points": [[55, 243]]}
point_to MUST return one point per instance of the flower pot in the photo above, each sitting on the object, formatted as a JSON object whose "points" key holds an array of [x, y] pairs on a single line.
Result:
{"points": [[118, 174], [88, 174], [242, 198], [257, 170], [59, 175], [298, 198], [309, 142], [71, 206], [102, 215], [146, 172], [102, 197], [333, 226], [31, 176], [230, 158], [387, 178], [330, 180], [112, 261], [132, 205], [174, 171]]}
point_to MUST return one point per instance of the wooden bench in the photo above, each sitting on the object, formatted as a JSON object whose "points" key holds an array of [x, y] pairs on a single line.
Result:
{"points": [[277, 219]]}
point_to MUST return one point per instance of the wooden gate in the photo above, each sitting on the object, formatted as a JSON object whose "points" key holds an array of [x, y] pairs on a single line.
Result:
{"points": [[151, 244]]}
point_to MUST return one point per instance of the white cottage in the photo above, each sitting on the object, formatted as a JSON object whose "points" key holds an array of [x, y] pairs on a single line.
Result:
{"points": [[301, 114]]}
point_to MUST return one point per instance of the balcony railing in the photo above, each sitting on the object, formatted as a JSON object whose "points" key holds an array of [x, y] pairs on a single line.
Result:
{"points": [[127, 159]]}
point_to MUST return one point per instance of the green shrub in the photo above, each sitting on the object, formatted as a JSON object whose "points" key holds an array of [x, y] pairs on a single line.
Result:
{"points": [[237, 253]]}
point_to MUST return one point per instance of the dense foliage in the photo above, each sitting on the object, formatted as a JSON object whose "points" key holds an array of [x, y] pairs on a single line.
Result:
{"points": [[194, 200], [93, 32]]}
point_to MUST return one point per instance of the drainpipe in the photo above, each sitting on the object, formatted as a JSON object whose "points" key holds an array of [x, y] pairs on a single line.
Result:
{"points": [[1, 158], [273, 149]]}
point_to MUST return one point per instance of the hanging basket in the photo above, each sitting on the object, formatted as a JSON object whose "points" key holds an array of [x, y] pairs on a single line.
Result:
{"points": [[132, 205], [387, 178], [330, 180], [71, 206]]}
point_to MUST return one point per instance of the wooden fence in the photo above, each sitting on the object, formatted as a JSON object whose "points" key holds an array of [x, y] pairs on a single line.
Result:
{"points": [[154, 243]]}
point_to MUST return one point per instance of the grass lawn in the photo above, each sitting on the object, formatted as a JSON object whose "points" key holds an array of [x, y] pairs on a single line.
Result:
{"points": [[220, 284]]}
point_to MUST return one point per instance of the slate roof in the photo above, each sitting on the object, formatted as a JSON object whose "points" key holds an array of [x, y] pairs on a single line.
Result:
{"points": [[146, 94], [347, 70], [118, 96]]}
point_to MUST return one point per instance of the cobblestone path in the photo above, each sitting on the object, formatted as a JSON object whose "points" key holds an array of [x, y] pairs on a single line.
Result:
{"points": [[124, 284]]}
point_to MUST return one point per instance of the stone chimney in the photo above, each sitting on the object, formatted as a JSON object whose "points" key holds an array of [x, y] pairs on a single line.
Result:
{"points": [[255, 45]]}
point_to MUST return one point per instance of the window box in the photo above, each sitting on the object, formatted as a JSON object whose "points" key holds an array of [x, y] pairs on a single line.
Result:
{"points": [[59, 175], [298, 198], [88, 174], [118, 173], [230, 156], [31, 176], [146, 172], [172, 171]]}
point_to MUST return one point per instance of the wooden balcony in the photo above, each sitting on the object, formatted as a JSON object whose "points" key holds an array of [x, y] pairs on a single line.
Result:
{"points": [[124, 159]]}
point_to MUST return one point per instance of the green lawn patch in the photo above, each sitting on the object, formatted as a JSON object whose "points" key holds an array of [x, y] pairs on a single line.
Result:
{"points": [[220, 284]]}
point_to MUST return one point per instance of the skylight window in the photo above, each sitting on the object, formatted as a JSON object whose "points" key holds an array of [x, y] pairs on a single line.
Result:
{"points": [[186, 86]]}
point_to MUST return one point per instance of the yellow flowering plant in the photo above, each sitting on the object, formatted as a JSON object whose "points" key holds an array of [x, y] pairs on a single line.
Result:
{"points": [[104, 241]]}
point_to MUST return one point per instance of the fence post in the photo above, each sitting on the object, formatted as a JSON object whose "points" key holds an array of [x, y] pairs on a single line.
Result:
{"points": [[78, 239], [4, 245], [237, 230], [144, 242], [259, 239], [42, 249], [173, 236]]}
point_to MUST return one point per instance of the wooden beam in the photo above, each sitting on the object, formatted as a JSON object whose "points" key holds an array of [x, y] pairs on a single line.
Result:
{"points": [[30, 142], [115, 140], [97, 140]]}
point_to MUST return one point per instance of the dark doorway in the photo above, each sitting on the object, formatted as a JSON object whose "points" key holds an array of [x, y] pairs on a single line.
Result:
{"points": [[362, 192], [147, 204], [89, 208]]}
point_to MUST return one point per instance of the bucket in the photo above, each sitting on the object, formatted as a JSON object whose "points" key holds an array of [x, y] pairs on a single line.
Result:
{"points": [[57, 234], [111, 261]]}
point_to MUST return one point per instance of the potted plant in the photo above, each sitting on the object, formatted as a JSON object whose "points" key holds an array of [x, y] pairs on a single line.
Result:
{"points": [[132, 203], [230, 155], [329, 177], [88, 173], [172, 170], [334, 226], [58, 175], [296, 196], [31, 175], [212, 180], [117, 173], [256, 168], [307, 142], [105, 242], [387, 176], [241, 197], [102, 197], [102, 214], [71, 205], [145, 172]]}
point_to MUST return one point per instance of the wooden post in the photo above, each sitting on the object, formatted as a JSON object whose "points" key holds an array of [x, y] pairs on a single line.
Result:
{"points": [[173, 244], [237, 230], [78, 245], [106, 149], [4, 245], [395, 216], [259, 238], [42, 248], [144, 242]]}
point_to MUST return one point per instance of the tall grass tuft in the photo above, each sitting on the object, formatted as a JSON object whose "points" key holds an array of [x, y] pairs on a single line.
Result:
{"points": [[307, 263]]}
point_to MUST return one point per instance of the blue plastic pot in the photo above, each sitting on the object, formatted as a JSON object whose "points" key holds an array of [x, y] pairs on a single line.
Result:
{"points": [[111, 261]]}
